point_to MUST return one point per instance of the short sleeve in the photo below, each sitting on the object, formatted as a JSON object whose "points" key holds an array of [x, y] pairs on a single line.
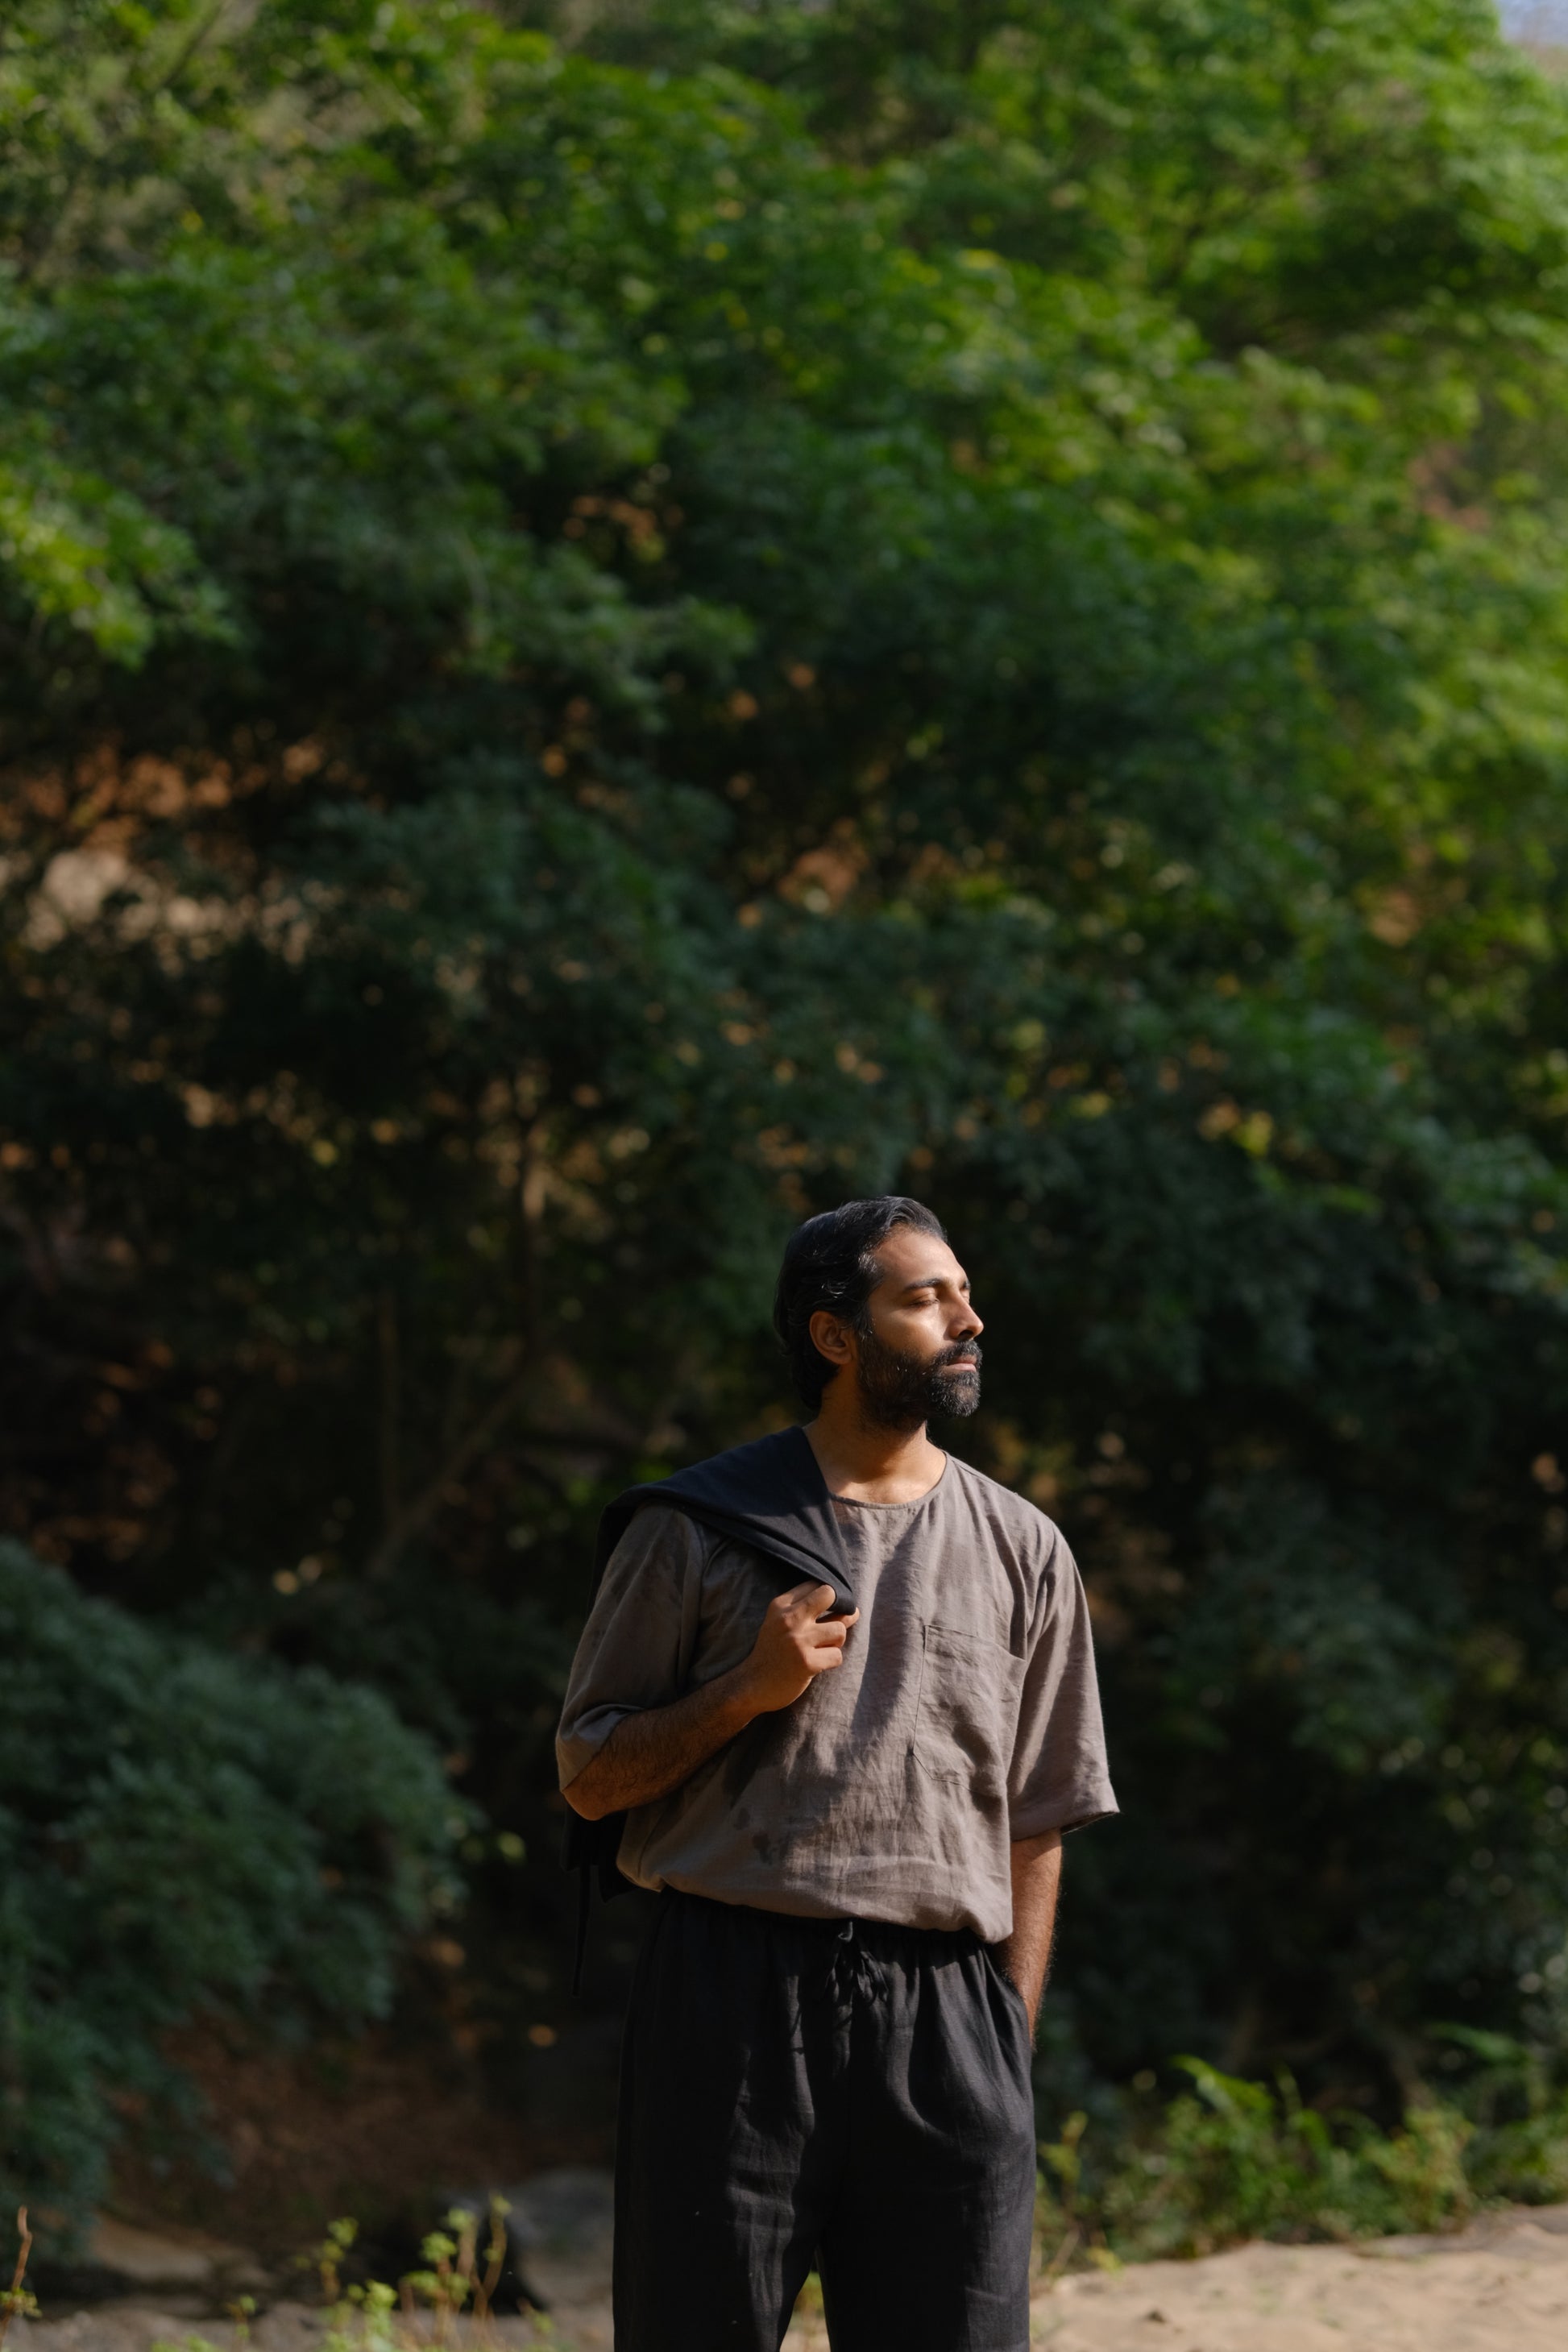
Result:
{"points": [[641, 1637], [1061, 1777]]}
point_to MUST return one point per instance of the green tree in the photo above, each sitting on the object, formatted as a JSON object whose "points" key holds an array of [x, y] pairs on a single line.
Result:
{"points": [[182, 1832], [619, 627]]}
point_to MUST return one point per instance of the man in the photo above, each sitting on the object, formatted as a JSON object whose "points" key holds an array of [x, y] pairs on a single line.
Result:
{"points": [[851, 1794]]}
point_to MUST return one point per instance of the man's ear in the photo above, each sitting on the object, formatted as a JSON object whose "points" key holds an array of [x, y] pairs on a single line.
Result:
{"points": [[830, 1337]]}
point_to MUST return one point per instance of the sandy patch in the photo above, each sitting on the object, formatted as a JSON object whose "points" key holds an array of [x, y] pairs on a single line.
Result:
{"points": [[1501, 2286]]}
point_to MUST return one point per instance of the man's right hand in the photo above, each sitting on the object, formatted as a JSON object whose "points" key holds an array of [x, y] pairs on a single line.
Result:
{"points": [[656, 1749], [796, 1642]]}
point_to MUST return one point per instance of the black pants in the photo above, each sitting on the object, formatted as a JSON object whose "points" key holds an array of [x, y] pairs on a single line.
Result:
{"points": [[817, 2090]]}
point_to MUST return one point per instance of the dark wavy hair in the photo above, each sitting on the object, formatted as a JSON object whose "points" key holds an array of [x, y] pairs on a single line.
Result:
{"points": [[831, 1262]]}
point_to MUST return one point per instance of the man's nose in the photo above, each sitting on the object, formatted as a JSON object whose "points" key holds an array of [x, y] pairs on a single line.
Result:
{"points": [[969, 1326]]}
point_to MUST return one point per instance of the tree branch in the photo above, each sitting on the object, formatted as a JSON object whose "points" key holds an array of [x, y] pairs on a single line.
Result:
{"points": [[416, 1514]]}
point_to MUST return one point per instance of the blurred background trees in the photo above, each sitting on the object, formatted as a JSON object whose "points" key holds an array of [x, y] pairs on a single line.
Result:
{"points": [[623, 620]]}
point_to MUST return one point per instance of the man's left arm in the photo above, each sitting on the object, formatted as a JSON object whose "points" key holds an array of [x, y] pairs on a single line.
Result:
{"points": [[1057, 1780], [1037, 1881]]}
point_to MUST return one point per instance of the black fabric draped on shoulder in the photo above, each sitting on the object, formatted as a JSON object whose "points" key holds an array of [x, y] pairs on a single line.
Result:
{"points": [[769, 1494]]}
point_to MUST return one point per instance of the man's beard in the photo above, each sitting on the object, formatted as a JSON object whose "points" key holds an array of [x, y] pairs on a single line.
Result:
{"points": [[899, 1391]]}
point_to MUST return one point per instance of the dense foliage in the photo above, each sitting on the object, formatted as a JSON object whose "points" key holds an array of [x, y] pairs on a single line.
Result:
{"points": [[616, 627], [182, 1831]]}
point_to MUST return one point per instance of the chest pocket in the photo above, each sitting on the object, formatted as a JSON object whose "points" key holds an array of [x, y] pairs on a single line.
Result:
{"points": [[968, 1710]]}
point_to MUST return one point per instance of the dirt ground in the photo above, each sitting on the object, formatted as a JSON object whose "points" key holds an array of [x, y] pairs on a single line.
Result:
{"points": [[1499, 2286], [377, 2127]]}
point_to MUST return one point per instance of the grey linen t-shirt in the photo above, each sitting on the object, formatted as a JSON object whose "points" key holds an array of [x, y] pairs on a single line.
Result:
{"points": [[965, 1714]]}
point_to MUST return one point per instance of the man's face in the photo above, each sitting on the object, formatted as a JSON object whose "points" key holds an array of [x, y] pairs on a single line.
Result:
{"points": [[915, 1347]]}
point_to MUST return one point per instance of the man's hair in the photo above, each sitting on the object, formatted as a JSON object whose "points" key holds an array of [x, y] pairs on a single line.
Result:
{"points": [[830, 1262]]}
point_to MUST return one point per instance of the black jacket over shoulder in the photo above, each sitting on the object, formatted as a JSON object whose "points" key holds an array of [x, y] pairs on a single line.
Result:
{"points": [[769, 1494]]}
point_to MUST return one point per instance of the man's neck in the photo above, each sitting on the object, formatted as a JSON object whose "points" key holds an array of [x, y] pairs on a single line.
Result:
{"points": [[866, 1464]]}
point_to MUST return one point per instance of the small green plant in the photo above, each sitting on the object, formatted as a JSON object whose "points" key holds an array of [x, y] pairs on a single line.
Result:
{"points": [[16, 2303], [1232, 2159], [1519, 2107], [452, 2280], [1057, 2211], [1239, 2160], [455, 2279], [359, 2318], [328, 2257]]}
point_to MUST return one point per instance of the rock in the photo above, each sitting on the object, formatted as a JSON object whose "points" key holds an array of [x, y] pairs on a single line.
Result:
{"points": [[570, 2212], [149, 2258]]}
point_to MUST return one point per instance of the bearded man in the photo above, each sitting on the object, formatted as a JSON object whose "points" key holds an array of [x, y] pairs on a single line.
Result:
{"points": [[850, 1796]]}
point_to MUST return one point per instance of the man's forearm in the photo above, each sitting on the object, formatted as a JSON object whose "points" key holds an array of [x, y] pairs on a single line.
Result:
{"points": [[1036, 1881], [650, 1753]]}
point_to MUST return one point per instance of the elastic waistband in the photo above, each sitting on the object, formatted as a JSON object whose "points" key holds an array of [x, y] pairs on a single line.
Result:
{"points": [[888, 1935]]}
